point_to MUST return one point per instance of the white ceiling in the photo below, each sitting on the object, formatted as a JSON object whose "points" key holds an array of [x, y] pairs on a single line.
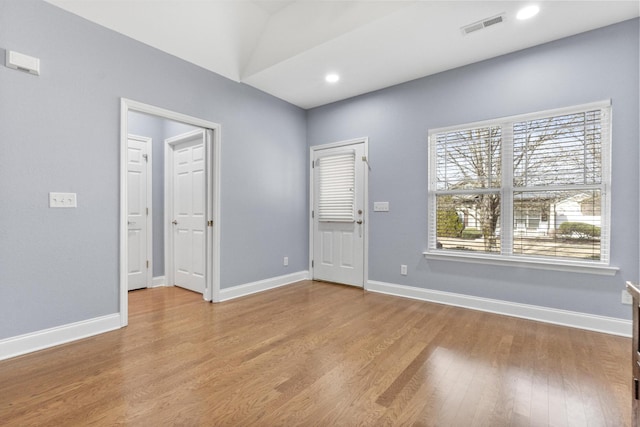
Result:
{"points": [[286, 48]]}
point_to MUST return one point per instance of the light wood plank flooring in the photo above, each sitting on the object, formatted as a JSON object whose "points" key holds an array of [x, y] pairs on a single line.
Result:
{"points": [[320, 354]]}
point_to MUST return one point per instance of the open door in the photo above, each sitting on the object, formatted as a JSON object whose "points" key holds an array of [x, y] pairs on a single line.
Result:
{"points": [[138, 211], [187, 210]]}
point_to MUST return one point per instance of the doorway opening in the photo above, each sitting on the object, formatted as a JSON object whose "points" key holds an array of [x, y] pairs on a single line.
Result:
{"points": [[201, 139]]}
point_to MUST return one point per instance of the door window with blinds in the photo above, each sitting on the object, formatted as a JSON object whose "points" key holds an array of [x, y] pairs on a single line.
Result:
{"points": [[530, 186], [337, 180]]}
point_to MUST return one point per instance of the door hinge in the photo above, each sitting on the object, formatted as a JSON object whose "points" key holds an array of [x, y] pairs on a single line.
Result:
{"points": [[311, 263], [147, 263], [145, 157], [147, 211], [210, 223], [313, 214]]}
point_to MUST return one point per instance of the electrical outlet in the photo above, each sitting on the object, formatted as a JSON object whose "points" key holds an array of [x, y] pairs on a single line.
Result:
{"points": [[626, 297], [286, 261], [403, 270]]}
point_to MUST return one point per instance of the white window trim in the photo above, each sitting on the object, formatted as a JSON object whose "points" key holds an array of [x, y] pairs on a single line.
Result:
{"points": [[506, 190]]}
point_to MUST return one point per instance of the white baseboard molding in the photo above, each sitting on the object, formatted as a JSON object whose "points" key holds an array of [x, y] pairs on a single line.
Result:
{"points": [[158, 282], [262, 285], [34, 341], [590, 322]]}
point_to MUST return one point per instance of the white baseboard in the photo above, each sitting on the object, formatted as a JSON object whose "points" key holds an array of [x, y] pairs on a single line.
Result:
{"points": [[608, 325], [262, 285], [158, 282], [27, 343]]}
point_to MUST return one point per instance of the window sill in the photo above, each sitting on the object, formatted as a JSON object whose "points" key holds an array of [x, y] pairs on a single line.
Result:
{"points": [[536, 263]]}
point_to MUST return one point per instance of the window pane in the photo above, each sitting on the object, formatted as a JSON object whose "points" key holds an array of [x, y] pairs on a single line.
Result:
{"points": [[468, 222], [561, 150], [563, 224], [468, 158]]}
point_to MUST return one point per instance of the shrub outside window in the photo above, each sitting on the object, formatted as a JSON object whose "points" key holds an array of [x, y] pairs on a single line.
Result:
{"points": [[533, 186]]}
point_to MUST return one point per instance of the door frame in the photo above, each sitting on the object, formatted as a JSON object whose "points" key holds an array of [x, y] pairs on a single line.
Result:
{"points": [[148, 143], [169, 191], [365, 179], [213, 162]]}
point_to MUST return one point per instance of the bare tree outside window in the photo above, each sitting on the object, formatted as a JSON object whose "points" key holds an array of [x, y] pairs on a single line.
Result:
{"points": [[471, 160]]}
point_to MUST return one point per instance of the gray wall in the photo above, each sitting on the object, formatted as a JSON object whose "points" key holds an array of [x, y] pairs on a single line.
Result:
{"points": [[60, 132], [593, 66], [158, 129]]}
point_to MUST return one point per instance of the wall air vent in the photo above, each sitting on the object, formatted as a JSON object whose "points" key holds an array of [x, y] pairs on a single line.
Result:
{"points": [[481, 25]]}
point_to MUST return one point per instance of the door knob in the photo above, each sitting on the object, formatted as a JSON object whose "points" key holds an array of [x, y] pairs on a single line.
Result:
{"points": [[174, 222]]}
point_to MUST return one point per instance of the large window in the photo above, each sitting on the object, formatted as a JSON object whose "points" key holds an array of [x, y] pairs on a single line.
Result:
{"points": [[526, 187]]}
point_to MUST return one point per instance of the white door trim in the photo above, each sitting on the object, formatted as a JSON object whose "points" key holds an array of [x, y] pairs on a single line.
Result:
{"points": [[312, 151], [212, 288], [148, 142]]}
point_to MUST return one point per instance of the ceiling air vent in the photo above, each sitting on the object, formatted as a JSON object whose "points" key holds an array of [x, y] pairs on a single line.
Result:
{"points": [[481, 25]]}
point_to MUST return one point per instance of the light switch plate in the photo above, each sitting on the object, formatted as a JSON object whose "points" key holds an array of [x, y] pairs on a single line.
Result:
{"points": [[381, 206], [63, 200]]}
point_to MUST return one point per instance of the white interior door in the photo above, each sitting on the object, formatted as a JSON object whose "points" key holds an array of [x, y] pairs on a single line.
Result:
{"points": [[138, 220], [189, 224], [338, 214]]}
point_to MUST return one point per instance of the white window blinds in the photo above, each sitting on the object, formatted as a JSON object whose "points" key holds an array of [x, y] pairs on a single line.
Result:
{"points": [[337, 177], [559, 150], [469, 158]]}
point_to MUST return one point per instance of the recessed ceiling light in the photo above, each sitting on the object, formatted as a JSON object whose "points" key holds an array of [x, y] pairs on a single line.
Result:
{"points": [[528, 12], [332, 78]]}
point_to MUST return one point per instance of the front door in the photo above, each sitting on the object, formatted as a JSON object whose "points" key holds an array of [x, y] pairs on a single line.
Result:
{"points": [[138, 220], [338, 214], [189, 211]]}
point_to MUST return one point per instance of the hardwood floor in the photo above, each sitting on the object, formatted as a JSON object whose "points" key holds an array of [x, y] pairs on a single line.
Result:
{"points": [[320, 354]]}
